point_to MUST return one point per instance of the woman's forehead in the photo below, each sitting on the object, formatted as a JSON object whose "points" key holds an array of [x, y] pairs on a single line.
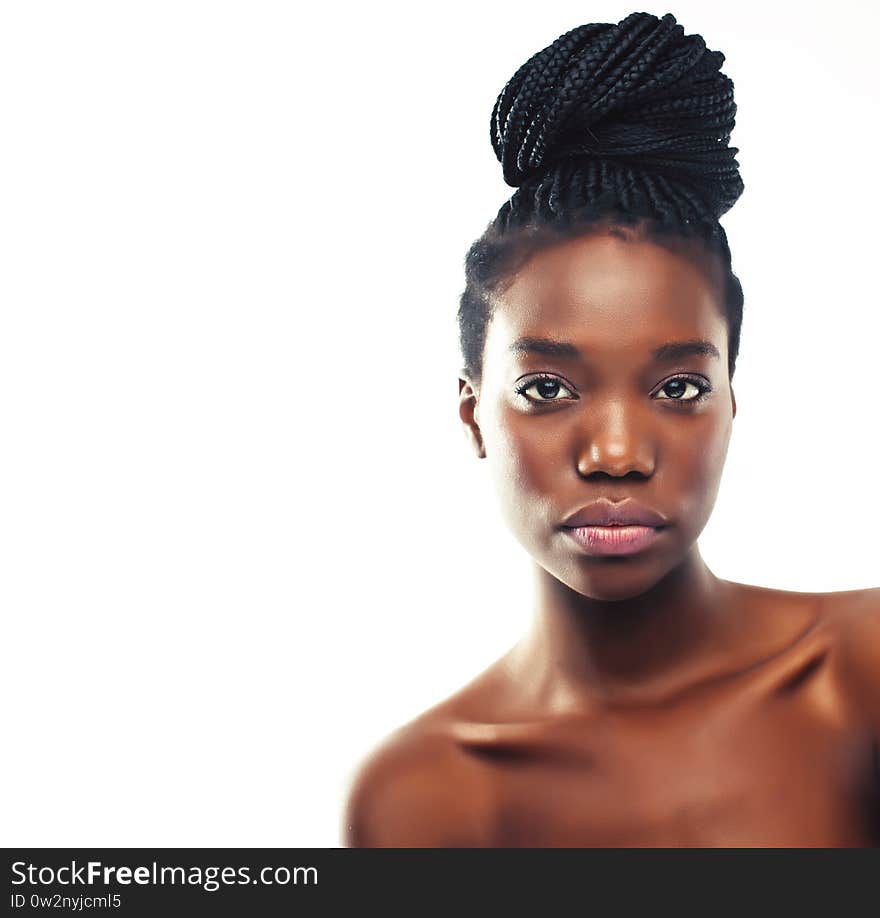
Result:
{"points": [[603, 323], [602, 268], [608, 292], [619, 347]]}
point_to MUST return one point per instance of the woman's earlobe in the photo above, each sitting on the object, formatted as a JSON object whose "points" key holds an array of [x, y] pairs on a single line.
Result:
{"points": [[467, 411], [733, 399]]}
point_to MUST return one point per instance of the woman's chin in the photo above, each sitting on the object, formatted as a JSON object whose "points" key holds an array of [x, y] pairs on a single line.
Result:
{"points": [[615, 592], [611, 579]]}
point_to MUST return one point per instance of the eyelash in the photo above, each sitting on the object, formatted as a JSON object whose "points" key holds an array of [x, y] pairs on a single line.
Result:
{"points": [[703, 387]]}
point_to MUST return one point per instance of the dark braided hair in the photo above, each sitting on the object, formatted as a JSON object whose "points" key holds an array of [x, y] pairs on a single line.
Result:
{"points": [[610, 126]]}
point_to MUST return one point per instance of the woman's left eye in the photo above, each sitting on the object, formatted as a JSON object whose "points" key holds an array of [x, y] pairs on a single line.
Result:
{"points": [[675, 389]]}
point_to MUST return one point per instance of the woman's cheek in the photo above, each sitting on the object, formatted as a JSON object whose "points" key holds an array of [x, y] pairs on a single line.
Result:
{"points": [[698, 469], [527, 465]]}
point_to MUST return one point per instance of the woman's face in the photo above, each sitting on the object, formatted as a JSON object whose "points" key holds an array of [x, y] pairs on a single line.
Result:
{"points": [[607, 415]]}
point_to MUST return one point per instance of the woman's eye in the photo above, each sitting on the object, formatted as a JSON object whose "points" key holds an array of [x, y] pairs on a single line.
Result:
{"points": [[676, 389], [546, 388]]}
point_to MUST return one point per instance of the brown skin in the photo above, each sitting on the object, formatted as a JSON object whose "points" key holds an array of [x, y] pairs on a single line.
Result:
{"points": [[652, 703]]}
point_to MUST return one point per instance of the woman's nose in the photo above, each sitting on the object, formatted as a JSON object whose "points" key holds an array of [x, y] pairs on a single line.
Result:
{"points": [[617, 444]]}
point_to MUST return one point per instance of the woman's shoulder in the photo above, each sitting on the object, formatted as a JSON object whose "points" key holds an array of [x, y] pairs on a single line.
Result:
{"points": [[850, 618], [417, 788], [854, 616], [855, 608]]}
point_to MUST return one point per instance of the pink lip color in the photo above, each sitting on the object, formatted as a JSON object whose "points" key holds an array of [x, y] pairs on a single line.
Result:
{"points": [[613, 540]]}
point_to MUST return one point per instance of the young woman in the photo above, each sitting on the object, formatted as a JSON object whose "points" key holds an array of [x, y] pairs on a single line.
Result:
{"points": [[652, 703]]}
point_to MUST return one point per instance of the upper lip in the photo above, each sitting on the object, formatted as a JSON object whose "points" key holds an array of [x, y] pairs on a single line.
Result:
{"points": [[622, 513]]}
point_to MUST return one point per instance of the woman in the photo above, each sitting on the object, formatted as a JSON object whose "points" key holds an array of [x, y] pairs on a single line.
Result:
{"points": [[652, 703]]}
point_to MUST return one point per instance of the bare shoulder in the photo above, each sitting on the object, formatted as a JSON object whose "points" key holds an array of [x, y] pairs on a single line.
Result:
{"points": [[416, 789], [853, 614], [856, 616], [421, 787]]}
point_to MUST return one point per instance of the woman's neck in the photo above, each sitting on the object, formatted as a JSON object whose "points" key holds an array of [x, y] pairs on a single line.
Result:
{"points": [[581, 650]]}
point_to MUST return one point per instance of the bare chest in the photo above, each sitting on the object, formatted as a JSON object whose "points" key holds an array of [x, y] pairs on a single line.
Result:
{"points": [[792, 771]]}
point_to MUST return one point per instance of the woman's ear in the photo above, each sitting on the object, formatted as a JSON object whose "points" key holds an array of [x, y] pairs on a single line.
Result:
{"points": [[733, 399], [467, 411]]}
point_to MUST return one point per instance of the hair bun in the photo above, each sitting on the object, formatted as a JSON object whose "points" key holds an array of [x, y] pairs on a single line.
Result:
{"points": [[640, 92]]}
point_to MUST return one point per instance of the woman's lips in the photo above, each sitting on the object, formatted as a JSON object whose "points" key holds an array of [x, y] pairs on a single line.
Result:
{"points": [[614, 540]]}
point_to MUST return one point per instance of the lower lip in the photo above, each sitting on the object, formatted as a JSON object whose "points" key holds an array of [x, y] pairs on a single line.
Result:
{"points": [[614, 540]]}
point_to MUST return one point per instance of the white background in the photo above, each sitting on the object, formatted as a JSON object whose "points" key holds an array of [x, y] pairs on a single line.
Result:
{"points": [[242, 536]]}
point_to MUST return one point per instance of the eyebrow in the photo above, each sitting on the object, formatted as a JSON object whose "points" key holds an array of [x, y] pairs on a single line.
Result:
{"points": [[671, 350]]}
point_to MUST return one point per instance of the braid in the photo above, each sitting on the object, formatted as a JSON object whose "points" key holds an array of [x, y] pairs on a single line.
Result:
{"points": [[612, 125]]}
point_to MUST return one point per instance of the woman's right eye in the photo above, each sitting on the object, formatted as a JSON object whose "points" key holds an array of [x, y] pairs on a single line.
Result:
{"points": [[547, 387]]}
